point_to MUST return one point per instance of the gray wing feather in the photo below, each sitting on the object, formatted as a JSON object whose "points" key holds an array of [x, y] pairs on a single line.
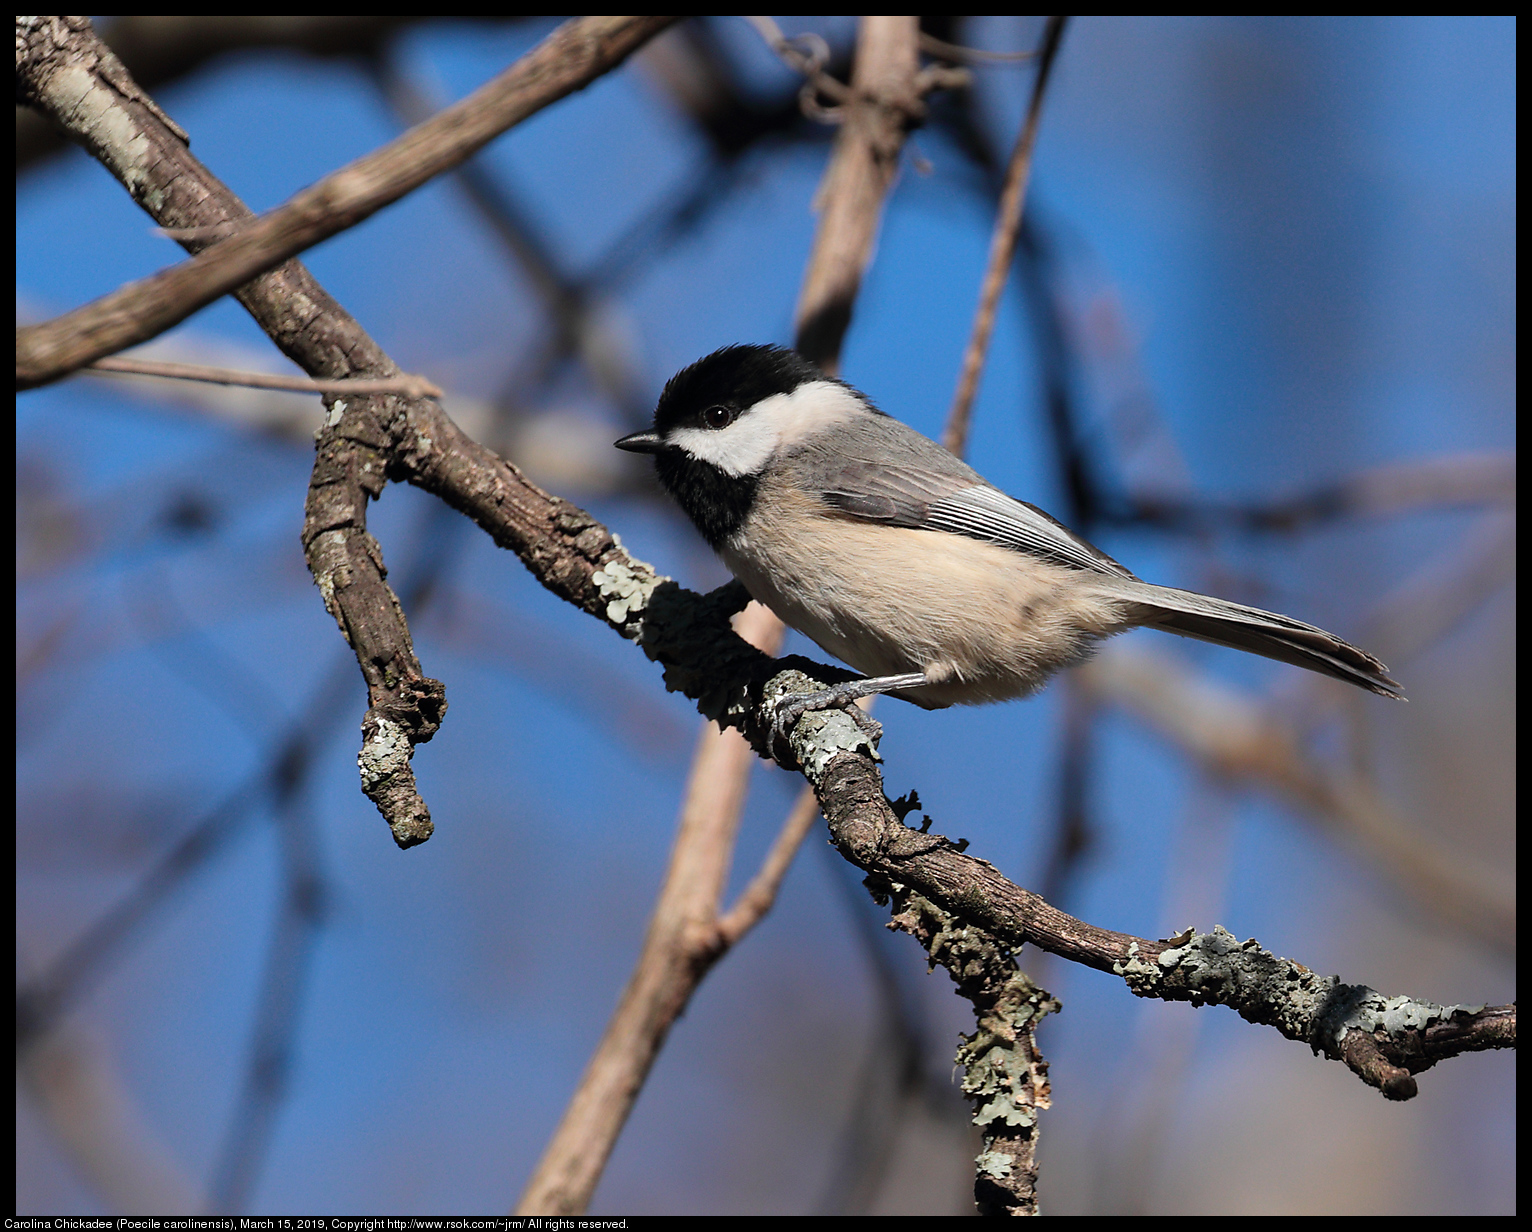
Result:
{"points": [[902, 496], [988, 513], [878, 470]]}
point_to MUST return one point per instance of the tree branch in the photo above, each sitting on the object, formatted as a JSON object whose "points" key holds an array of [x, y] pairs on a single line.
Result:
{"points": [[157, 50], [407, 384], [1005, 1077], [683, 942], [83, 94], [78, 80], [885, 105]]}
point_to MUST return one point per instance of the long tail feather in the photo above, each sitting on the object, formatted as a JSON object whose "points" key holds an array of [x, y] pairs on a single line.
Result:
{"points": [[1264, 633]]}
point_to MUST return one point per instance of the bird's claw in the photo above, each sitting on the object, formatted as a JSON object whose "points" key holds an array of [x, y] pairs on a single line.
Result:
{"points": [[793, 706]]}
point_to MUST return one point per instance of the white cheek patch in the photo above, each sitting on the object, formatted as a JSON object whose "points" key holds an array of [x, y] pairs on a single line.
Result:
{"points": [[747, 444], [743, 448]]}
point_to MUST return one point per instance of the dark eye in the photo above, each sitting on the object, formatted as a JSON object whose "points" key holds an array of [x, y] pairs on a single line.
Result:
{"points": [[716, 417]]}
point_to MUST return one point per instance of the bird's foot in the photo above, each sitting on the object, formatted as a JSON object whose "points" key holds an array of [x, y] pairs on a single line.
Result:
{"points": [[793, 706]]}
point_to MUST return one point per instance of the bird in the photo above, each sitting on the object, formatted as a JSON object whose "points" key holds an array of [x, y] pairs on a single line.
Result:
{"points": [[896, 557]]}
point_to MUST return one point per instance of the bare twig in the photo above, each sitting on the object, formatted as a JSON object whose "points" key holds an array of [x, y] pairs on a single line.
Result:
{"points": [[571, 304], [755, 899], [1436, 598], [286, 414], [809, 60], [1002, 245], [406, 384], [157, 50], [942, 49], [571, 57], [690, 64], [862, 167], [1453, 480]]}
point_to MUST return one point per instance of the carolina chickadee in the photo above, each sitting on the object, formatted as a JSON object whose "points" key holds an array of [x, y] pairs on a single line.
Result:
{"points": [[899, 559]]}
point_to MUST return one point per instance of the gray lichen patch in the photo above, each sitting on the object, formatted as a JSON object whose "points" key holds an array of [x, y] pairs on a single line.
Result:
{"points": [[384, 754], [627, 585], [332, 416], [1217, 967], [97, 114], [1140, 975], [1262, 987], [1005, 1078], [819, 736], [1355, 1007]]}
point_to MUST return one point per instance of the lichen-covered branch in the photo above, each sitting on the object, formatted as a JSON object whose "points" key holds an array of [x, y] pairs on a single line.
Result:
{"points": [[1005, 1077], [1383, 1040]]}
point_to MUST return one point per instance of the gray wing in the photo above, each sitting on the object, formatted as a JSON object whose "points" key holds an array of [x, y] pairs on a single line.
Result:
{"points": [[888, 473]]}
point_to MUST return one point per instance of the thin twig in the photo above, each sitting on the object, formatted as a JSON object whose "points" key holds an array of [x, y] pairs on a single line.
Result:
{"points": [[862, 166], [1002, 245], [934, 46], [810, 63], [682, 943], [405, 384], [573, 304], [198, 235], [755, 899], [1447, 481], [160, 50]]}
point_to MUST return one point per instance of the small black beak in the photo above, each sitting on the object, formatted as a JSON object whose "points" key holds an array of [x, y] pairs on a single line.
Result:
{"points": [[641, 442]]}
